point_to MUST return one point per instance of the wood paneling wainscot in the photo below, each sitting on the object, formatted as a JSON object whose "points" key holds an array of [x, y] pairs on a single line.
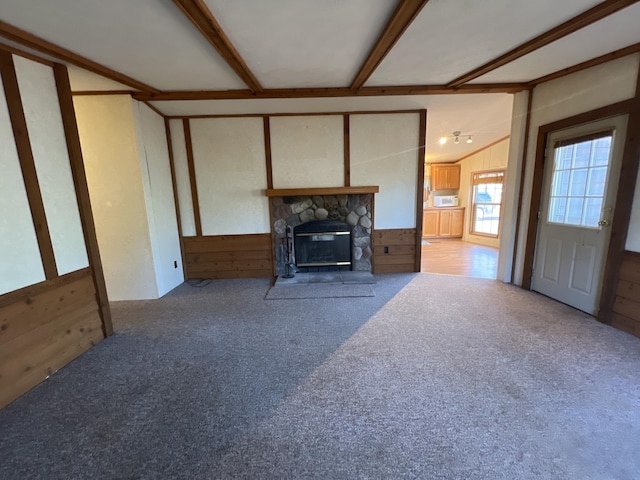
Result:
{"points": [[626, 309], [43, 327], [394, 250], [228, 256]]}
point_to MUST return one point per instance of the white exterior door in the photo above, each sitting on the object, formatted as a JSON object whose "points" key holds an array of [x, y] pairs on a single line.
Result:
{"points": [[582, 170]]}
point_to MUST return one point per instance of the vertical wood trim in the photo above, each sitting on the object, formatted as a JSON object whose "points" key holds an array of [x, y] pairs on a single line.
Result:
{"points": [[273, 239], [192, 177], [622, 212], [27, 164], [422, 139], [267, 150], [267, 155], [527, 126], [373, 231], [536, 196], [174, 185], [347, 152], [82, 192]]}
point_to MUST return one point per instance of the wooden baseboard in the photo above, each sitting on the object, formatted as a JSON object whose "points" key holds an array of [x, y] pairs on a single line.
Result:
{"points": [[626, 309], [228, 256], [394, 250], [44, 327]]}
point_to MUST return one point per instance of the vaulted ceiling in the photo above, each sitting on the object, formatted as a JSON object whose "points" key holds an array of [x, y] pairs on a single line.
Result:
{"points": [[359, 51]]}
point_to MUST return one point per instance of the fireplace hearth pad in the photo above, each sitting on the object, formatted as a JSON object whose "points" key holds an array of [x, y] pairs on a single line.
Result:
{"points": [[328, 278]]}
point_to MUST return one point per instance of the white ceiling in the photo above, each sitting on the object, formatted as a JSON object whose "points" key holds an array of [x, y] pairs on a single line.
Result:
{"points": [[303, 43], [149, 40], [323, 43], [612, 33], [452, 37]]}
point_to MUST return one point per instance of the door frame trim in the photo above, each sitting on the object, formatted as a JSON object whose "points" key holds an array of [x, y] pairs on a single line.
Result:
{"points": [[626, 189]]}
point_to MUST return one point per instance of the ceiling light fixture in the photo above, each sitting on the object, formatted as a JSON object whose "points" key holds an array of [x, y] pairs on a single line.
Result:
{"points": [[456, 138]]}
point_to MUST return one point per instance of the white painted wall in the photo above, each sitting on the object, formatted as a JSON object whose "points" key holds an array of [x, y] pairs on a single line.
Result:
{"points": [[110, 150], [20, 262], [158, 190], [182, 178], [231, 175], [49, 146], [84, 80], [495, 157], [514, 166], [384, 152], [561, 98], [307, 152]]}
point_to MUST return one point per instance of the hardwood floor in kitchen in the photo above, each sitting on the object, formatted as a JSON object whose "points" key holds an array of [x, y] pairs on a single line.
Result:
{"points": [[455, 257]]}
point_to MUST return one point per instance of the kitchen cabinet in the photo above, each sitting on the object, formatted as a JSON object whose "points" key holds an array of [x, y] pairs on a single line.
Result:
{"points": [[430, 221], [445, 177], [442, 222]]}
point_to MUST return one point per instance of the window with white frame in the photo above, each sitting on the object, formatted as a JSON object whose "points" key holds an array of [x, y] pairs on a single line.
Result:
{"points": [[487, 202]]}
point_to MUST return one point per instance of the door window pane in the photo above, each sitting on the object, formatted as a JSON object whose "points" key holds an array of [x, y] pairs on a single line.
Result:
{"points": [[557, 209], [597, 181], [583, 153], [561, 183], [602, 148], [592, 212], [574, 211], [578, 181]]}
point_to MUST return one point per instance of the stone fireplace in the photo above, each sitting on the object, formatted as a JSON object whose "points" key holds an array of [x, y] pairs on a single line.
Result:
{"points": [[353, 209]]}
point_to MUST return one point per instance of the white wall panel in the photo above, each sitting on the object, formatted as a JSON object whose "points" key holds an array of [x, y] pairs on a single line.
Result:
{"points": [[20, 262], [307, 151], [49, 147], [158, 187], [109, 147], [182, 178], [384, 152], [231, 175]]}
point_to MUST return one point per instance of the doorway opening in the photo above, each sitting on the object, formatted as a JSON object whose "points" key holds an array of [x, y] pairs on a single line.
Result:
{"points": [[463, 239]]}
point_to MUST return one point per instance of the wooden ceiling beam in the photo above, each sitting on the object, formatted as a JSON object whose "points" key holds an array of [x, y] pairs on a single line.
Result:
{"points": [[607, 57], [329, 92], [43, 46], [600, 11], [200, 15], [405, 13]]}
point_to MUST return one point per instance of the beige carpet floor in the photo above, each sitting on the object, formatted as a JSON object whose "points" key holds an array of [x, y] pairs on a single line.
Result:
{"points": [[435, 377]]}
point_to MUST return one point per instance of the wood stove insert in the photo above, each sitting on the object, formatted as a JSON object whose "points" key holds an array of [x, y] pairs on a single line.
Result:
{"points": [[322, 245]]}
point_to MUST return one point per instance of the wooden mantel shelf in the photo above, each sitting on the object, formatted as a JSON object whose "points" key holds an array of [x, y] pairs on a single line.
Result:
{"points": [[295, 192]]}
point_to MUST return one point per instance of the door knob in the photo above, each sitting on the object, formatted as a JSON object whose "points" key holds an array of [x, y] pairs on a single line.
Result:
{"points": [[603, 223]]}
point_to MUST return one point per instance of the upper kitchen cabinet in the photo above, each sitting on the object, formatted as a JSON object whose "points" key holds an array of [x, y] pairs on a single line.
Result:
{"points": [[445, 177]]}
